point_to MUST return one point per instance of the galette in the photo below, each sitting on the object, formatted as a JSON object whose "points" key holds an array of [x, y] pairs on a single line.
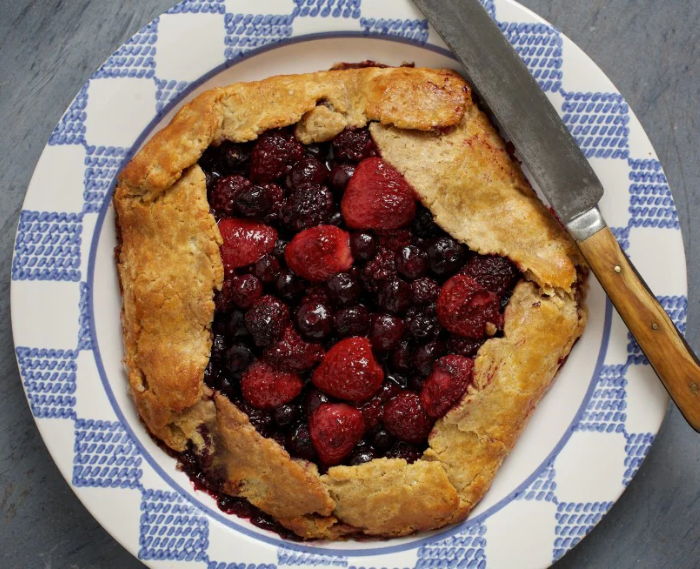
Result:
{"points": [[342, 300]]}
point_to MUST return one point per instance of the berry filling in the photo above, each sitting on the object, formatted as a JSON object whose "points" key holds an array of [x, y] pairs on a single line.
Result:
{"points": [[348, 319]]}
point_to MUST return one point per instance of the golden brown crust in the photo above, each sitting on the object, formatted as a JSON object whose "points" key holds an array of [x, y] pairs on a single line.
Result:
{"points": [[391, 497], [260, 470], [169, 266], [421, 99], [478, 194], [511, 374]]}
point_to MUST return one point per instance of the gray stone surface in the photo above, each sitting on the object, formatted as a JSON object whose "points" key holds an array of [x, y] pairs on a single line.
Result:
{"points": [[48, 48]]}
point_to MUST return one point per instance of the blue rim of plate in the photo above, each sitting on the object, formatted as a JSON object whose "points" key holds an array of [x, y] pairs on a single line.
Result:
{"points": [[574, 490], [229, 520]]}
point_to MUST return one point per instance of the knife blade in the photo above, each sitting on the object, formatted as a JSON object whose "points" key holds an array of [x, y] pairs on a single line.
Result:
{"points": [[523, 112]]}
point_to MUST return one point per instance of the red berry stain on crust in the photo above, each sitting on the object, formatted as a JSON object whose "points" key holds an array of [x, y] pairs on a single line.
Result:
{"points": [[244, 242], [318, 253], [266, 388], [464, 307], [335, 429], [349, 371], [377, 197], [405, 418], [446, 385]]}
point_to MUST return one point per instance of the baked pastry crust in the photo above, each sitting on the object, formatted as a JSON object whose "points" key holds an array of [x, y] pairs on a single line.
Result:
{"points": [[169, 267]]}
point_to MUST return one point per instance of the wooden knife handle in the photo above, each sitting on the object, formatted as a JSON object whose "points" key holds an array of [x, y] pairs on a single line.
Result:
{"points": [[662, 343]]}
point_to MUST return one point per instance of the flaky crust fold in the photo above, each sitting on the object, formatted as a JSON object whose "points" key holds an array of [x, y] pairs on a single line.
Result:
{"points": [[426, 126]]}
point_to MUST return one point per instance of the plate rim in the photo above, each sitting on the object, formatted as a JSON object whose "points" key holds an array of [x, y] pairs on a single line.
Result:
{"points": [[90, 270]]}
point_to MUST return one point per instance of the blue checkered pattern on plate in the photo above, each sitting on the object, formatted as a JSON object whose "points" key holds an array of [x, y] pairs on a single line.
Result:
{"points": [[48, 248]]}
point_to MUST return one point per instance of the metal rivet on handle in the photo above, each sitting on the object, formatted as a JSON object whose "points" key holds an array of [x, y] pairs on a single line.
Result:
{"points": [[617, 269], [694, 386], [654, 326]]}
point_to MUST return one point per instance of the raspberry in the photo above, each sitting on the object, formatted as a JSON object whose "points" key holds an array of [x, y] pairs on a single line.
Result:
{"points": [[405, 418], [318, 253], [244, 242], [354, 145], [306, 207], [424, 290], [494, 273], [274, 155], [349, 371], [377, 197], [266, 320], [335, 429], [291, 353], [464, 307], [224, 195], [381, 268], [446, 385], [266, 388]]}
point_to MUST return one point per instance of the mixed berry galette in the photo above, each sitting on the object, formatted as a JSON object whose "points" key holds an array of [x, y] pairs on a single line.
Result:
{"points": [[342, 299]]}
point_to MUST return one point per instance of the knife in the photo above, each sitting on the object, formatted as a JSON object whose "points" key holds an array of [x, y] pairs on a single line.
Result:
{"points": [[554, 160]]}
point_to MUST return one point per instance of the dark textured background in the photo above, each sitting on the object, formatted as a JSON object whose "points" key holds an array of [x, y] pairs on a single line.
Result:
{"points": [[48, 49]]}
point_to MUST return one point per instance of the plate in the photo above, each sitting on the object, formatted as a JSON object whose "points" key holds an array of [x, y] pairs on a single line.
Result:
{"points": [[586, 439]]}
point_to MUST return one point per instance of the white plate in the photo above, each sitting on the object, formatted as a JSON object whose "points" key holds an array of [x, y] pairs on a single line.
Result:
{"points": [[585, 441]]}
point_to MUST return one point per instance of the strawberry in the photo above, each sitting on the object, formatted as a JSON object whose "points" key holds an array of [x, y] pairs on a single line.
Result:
{"points": [[266, 388], [335, 429], [245, 242], [405, 418], [464, 307], [318, 253], [377, 197], [446, 385], [291, 353], [349, 371]]}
